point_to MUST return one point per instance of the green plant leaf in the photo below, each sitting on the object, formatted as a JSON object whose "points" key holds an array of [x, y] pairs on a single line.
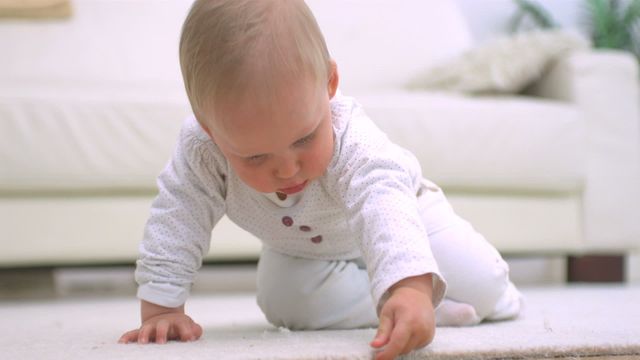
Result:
{"points": [[631, 26], [605, 25], [528, 9], [516, 21], [631, 14]]}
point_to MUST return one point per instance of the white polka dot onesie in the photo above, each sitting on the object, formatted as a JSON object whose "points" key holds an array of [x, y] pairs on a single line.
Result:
{"points": [[365, 205]]}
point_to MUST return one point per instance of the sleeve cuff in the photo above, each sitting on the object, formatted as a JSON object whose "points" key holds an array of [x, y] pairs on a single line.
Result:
{"points": [[163, 294]]}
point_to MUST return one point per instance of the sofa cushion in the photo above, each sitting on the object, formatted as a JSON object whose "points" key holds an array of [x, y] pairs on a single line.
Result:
{"points": [[104, 42], [85, 105], [490, 143], [477, 144], [505, 65], [92, 102], [73, 141], [133, 42], [383, 44]]}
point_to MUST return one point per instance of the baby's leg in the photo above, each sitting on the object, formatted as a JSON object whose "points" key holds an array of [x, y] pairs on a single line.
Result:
{"points": [[475, 272], [306, 294]]}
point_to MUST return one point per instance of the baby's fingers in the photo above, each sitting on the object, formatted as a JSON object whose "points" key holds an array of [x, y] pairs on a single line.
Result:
{"points": [[188, 332], [384, 330], [146, 333], [398, 342], [197, 330], [162, 331], [129, 336]]}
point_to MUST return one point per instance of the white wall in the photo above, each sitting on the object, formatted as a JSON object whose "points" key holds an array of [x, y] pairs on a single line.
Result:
{"points": [[488, 18]]}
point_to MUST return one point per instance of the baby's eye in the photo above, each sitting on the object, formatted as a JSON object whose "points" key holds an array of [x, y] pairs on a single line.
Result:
{"points": [[255, 159], [305, 140]]}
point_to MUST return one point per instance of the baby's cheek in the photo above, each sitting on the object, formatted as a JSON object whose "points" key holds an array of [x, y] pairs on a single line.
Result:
{"points": [[257, 180], [317, 166]]}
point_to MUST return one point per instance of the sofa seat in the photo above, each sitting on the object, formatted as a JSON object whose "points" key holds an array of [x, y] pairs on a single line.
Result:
{"points": [[504, 144]]}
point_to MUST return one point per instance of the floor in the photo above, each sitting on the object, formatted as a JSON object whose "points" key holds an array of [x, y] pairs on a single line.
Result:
{"points": [[578, 321], [80, 290]]}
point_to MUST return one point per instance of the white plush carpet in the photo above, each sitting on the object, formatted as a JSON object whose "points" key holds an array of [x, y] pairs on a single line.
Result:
{"points": [[572, 322]]}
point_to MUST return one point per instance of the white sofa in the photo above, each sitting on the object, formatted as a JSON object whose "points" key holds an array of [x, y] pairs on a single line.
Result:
{"points": [[90, 108]]}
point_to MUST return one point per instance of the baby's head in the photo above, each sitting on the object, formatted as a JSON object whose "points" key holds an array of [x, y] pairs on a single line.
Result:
{"points": [[259, 79]]}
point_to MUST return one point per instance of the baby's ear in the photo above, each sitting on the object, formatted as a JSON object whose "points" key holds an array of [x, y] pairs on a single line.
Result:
{"points": [[200, 119], [334, 79], [206, 129]]}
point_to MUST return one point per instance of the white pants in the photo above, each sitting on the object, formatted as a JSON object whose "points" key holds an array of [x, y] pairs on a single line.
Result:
{"points": [[306, 294]]}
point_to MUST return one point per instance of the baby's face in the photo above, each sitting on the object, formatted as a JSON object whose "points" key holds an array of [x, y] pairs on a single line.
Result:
{"points": [[281, 145]]}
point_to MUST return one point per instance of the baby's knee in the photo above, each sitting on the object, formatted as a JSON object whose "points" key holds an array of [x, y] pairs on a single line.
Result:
{"points": [[496, 282], [323, 308], [310, 294], [284, 292], [500, 301], [508, 306], [287, 304], [482, 289], [497, 278]]}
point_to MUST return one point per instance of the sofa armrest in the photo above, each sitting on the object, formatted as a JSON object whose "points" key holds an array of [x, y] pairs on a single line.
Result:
{"points": [[604, 86]]}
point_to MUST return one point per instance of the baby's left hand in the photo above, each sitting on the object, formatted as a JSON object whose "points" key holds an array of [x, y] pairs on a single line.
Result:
{"points": [[407, 320]]}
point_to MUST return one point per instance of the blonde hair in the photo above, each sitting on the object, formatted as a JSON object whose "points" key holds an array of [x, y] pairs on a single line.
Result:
{"points": [[231, 47]]}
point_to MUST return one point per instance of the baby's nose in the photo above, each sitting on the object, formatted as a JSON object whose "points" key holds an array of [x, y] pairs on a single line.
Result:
{"points": [[288, 169]]}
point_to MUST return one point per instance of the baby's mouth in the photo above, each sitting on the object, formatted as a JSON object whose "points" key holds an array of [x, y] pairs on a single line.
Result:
{"points": [[293, 189]]}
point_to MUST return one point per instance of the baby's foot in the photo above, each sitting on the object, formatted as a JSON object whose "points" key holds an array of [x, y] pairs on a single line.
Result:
{"points": [[509, 305], [451, 313]]}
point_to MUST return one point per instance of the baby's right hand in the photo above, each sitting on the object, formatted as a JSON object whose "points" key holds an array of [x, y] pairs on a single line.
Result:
{"points": [[161, 324]]}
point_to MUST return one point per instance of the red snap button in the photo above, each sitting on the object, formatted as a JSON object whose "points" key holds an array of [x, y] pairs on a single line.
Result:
{"points": [[287, 221], [305, 228], [316, 239], [281, 196]]}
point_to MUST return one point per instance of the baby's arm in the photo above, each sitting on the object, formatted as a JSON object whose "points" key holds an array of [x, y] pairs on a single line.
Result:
{"points": [[160, 324], [378, 183], [407, 319], [176, 237]]}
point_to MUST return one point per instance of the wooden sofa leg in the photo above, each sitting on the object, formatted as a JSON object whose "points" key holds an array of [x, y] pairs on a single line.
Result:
{"points": [[596, 268], [27, 283]]}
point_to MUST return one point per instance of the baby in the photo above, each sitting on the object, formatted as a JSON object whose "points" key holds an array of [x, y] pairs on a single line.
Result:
{"points": [[353, 236]]}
